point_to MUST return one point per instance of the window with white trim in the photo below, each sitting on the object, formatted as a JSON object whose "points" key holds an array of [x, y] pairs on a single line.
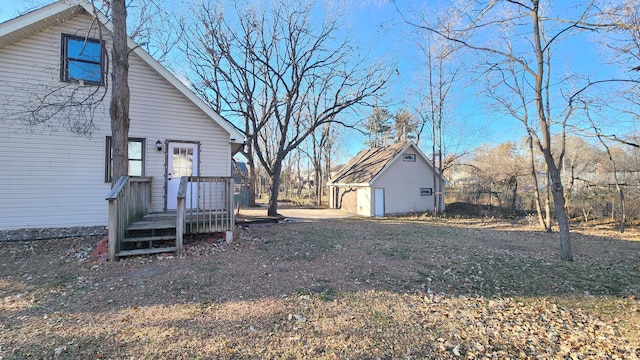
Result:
{"points": [[409, 157], [426, 191], [136, 158]]}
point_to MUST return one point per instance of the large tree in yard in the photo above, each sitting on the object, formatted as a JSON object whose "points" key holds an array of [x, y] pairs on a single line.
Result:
{"points": [[520, 47], [119, 107], [279, 74]]}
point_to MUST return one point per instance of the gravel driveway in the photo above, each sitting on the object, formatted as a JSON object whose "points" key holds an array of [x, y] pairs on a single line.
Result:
{"points": [[300, 214]]}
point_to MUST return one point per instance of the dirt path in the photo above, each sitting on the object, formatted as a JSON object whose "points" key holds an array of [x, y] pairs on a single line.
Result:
{"points": [[301, 214]]}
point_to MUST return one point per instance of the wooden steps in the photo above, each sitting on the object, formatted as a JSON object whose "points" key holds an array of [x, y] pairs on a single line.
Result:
{"points": [[149, 238], [156, 232], [153, 234]]}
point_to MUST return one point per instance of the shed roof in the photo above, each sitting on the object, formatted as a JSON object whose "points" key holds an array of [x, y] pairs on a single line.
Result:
{"points": [[239, 172], [367, 164]]}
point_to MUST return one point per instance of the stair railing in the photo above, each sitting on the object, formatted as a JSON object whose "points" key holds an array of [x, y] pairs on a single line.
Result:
{"points": [[129, 200], [205, 205], [181, 216]]}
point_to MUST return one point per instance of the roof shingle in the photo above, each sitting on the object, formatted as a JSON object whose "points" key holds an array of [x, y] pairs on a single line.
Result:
{"points": [[367, 164]]}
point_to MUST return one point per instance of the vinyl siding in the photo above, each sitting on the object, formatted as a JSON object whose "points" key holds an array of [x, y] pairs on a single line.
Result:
{"points": [[402, 181], [347, 199], [53, 178], [365, 201]]}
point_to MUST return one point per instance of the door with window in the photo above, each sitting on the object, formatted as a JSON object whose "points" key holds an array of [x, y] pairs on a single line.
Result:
{"points": [[182, 160]]}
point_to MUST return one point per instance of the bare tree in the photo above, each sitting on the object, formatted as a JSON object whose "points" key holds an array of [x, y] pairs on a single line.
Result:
{"points": [[601, 138], [265, 66], [442, 68], [619, 191], [503, 181], [442, 71], [520, 48], [622, 17], [320, 158], [156, 27], [544, 219]]}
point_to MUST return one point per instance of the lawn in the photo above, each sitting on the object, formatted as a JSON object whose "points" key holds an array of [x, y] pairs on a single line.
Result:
{"points": [[341, 289]]}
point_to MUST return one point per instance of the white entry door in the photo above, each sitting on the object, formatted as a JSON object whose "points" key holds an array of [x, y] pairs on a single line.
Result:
{"points": [[378, 200], [182, 161]]}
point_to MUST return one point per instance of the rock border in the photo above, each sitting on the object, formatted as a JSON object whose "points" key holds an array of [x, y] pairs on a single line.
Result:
{"points": [[31, 234]]}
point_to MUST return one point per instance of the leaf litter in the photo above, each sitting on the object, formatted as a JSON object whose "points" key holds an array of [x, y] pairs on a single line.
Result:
{"points": [[356, 289]]}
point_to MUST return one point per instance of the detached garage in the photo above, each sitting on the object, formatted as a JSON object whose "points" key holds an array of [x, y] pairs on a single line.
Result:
{"points": [[391, 180]]}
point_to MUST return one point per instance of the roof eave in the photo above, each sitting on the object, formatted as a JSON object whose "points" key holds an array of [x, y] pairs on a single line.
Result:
{"points": [[24, 25], [349, 184]]}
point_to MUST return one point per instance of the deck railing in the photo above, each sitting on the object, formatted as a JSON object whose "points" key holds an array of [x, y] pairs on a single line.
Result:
{"points": [[129, 200], [205, 205]]}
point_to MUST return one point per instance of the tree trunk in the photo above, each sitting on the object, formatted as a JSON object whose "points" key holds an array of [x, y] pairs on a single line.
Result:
{"points": [[316, 160], [566, 253], [251, 186], [119, 107], [585, 213], [623, 211], [318, 183], [613, 209], [514, 194], [275, 189], [252, 180], [536, 187], [547, 204], [326, 175]]}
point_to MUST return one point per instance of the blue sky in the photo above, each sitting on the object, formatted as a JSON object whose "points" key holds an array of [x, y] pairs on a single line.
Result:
{"points": [[376, 27], [12, 8]]}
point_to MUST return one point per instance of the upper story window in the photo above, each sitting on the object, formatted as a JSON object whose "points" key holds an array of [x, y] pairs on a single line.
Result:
{"points": [[82, 60]]}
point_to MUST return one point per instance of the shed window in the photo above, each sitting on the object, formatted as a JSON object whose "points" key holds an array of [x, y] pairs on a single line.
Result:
{"points": [[136, 158], [82, 60], [426, 191], [409, 157]]}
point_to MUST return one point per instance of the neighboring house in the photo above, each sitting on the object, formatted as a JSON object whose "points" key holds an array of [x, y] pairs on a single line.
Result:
{"points": [[240, 174], [55, 126], [397, 179]]}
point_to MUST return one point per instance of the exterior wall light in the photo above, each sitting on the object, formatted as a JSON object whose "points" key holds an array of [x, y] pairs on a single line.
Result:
{"points": [[159, 145]]}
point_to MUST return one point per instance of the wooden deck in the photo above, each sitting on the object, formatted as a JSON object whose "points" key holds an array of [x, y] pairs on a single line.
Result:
{"points": [[162, 220], [156, 232], [204, 203], [217, 220]]}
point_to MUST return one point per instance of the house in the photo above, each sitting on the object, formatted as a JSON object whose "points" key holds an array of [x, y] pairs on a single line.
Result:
{"points": [[240, 173], [55, 127], [396, 179]]}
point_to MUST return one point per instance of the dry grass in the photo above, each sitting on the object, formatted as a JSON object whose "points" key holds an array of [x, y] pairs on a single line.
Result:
{"points": [[356, 289]]}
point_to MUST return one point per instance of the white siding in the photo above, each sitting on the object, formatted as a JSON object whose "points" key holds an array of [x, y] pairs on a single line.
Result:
{"points": [[161, 112], [402, 181], [50, 177], [365, 201]]}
